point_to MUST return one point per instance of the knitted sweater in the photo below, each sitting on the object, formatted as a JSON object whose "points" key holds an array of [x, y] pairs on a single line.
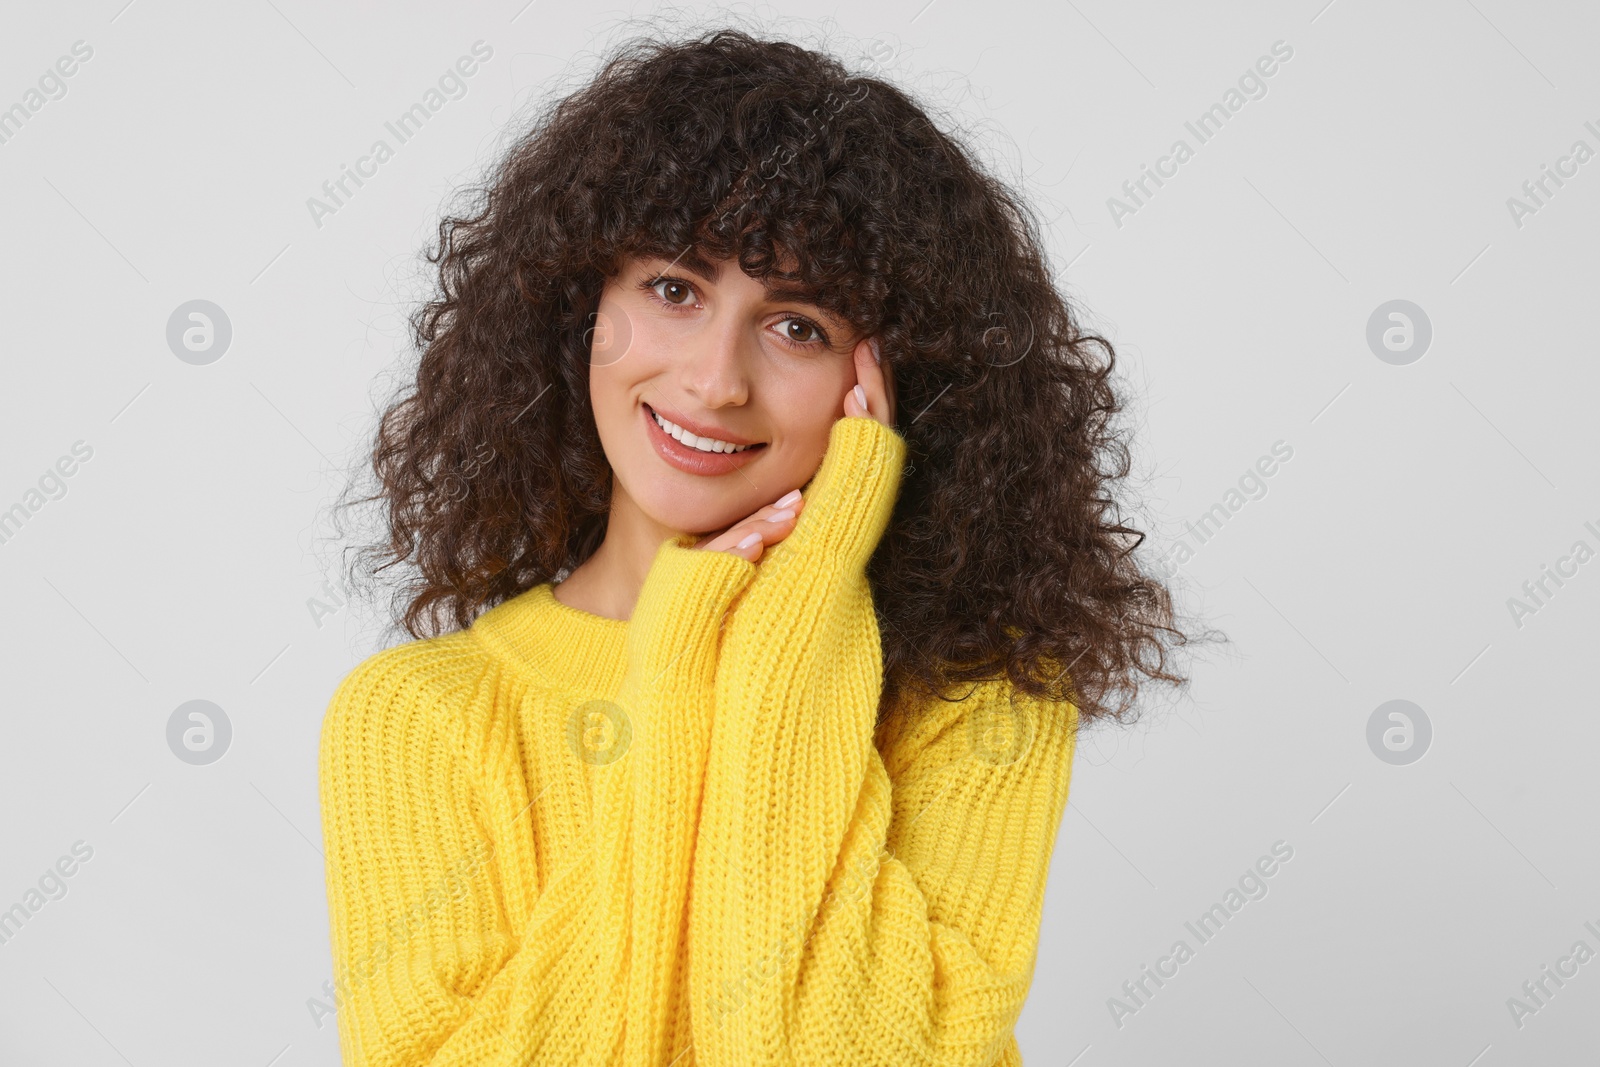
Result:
{"points": [[685, 838]]}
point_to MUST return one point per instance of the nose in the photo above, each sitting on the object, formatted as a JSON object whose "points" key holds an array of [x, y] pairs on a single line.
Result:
{"points": [[715, 371]]}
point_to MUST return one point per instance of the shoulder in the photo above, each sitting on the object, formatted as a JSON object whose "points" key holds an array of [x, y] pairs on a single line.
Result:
{"points": [[991, 723], [424, 671], [423, 686]]}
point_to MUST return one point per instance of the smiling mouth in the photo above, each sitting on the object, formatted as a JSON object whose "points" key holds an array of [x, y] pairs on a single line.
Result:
{"points": [[708, 445]]}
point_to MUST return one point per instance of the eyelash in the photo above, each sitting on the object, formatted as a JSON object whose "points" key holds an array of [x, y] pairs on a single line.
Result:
{"points": [[648, 286]]}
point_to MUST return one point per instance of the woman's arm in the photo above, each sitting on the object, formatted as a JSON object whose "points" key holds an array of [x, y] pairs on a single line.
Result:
{"points": [[836, 918], [673, 640], [434, 966]]}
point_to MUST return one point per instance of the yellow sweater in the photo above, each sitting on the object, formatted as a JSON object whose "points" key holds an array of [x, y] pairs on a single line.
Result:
{"points": [[556, 838]]}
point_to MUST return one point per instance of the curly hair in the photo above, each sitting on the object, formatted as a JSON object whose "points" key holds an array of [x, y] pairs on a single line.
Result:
{"points": [[1007, 554]]}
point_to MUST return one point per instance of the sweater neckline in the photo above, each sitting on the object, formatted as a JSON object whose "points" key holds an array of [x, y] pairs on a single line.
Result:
{"points": [[556, 645]]}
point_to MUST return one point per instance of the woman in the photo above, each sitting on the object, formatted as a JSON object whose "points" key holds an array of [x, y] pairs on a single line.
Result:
{"points": [[762, 478]]}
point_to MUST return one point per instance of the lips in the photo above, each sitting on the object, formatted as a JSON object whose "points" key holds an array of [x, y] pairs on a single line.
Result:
{"points": [[692, 460]]}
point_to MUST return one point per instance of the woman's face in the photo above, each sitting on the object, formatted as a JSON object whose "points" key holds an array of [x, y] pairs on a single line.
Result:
{"points": [[720, 357]]}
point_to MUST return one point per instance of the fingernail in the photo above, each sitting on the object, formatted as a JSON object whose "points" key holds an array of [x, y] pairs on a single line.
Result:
{"points": [[750, 541], [873, 344], [791, 497], [861, 397], [779, 516]]}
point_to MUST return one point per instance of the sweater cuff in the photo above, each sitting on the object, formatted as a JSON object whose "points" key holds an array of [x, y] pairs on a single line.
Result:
{"points": [[850, 499], [685, 595]]}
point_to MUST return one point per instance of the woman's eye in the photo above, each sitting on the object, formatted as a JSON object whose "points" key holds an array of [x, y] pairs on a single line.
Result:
{"points": [[801, 332], [673, 291]]}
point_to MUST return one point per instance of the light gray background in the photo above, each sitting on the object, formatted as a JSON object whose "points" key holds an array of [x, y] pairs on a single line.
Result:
{"points": [[180, 562]]}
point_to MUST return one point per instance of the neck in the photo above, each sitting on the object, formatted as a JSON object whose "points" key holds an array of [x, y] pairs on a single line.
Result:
{"points": [[608, 583]]}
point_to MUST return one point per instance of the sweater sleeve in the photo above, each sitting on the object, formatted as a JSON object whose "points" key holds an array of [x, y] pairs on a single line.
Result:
{"points": [[432, 965], [852, 906]]}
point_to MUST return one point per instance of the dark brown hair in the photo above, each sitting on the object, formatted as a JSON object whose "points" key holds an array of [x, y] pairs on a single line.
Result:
{"points": [[1007, 554]]}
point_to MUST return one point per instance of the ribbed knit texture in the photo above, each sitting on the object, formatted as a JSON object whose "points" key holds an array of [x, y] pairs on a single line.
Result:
{"points": [[557, 838]]}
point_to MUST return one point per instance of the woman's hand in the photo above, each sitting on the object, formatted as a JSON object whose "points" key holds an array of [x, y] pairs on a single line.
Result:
{"points": [[768, 526], [870, 397]]}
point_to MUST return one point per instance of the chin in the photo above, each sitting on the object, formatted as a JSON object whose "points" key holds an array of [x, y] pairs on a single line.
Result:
{"points": [[689, 503], [695, 513]]}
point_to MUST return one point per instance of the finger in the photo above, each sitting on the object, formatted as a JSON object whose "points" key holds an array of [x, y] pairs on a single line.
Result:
{"points": [[870, 377], [771, 524], [749, 539], [749, 547], [853, 406]]}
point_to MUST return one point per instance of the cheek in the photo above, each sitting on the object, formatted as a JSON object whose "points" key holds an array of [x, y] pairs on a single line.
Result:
{"points": [[620, 358], [607, 396], [629, 359], [805, 402], [812, 392]]}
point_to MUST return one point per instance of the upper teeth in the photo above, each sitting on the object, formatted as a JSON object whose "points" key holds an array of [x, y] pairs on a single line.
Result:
{"points": [[704, 444]]}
